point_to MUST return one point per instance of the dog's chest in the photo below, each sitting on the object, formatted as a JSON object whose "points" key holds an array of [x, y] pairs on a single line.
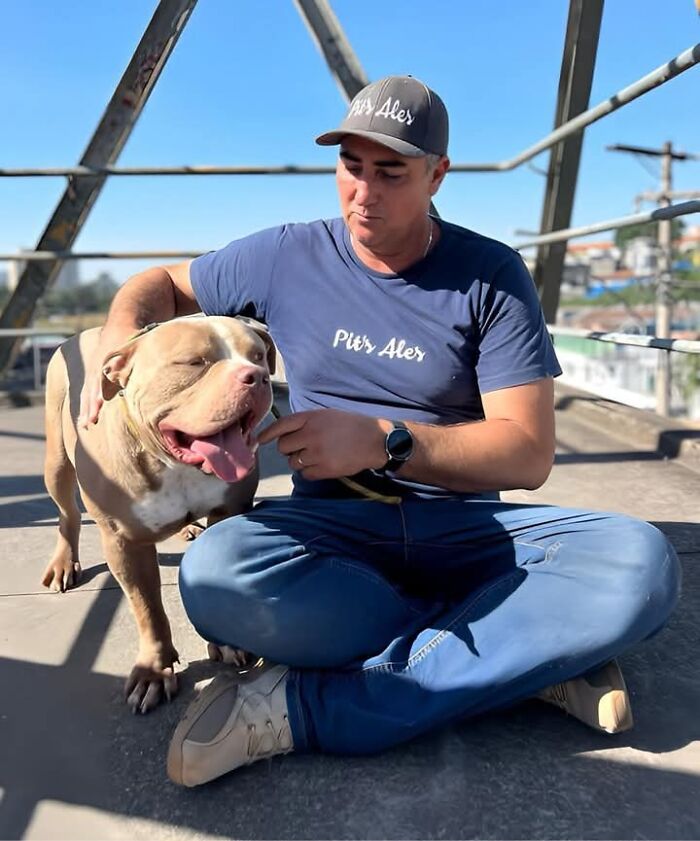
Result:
{"points": [[184, 490]]}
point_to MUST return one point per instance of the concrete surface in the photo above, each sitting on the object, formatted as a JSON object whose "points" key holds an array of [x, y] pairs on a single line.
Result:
{"points": [[75, 764]]}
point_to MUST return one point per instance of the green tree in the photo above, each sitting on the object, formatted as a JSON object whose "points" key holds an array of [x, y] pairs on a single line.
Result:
{"points": [[647, 229]]}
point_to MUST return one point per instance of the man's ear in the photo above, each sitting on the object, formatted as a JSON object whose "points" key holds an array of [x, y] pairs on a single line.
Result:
{"points": [[116, 370], [439, 174]]}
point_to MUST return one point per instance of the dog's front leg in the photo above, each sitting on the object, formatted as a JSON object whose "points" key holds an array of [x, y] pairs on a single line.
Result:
{"points": [[135, 566]]}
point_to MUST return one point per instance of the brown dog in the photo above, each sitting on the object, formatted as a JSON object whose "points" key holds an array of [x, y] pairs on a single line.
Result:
{"points": [[174, 442]]}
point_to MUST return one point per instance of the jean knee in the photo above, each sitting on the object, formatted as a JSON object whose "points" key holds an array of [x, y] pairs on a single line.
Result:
{"points": [[211, 565], [651, 577]]}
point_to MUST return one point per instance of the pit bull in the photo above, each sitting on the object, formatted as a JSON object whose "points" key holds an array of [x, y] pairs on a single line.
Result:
{"points": [[174, 442]]}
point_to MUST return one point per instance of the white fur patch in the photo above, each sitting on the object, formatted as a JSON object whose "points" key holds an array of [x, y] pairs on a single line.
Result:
{"points": [[185, 489], [229, 344]]}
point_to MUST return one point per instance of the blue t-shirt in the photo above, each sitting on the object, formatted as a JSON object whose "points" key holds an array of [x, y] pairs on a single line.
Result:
{"points": [[422, 345]]}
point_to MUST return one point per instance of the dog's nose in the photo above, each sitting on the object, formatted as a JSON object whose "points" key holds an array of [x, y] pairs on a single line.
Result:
{"points": [[252, 376]]}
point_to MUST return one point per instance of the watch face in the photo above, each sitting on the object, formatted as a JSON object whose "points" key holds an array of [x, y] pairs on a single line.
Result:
{"points": [[399, 444]]}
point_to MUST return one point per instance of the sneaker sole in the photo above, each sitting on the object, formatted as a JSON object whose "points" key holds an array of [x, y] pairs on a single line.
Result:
{"points": [[203, 700]]}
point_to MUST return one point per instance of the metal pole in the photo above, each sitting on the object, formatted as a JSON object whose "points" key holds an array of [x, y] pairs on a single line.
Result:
{"points": [[670, 212], [331, 40], [111, 134], [575, 80], [682, 62], [663, 289], [36, 360]]}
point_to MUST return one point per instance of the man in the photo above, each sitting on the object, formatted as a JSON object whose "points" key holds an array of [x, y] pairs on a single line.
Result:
{"points": [[419, 366]]}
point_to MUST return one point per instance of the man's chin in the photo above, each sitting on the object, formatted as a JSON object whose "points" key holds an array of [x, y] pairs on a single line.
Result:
{"points": [[366, 233]]}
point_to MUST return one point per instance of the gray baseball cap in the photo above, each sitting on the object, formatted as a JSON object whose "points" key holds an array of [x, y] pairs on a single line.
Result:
{"points": [[399, 112]]}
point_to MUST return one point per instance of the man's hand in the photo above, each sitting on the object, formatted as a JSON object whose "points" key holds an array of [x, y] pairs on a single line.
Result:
{"points": [[155, 295], [90, 399], [91, 394], [328, 444]]}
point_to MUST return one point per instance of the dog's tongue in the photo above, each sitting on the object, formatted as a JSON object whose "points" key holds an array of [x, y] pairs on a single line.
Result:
{"points": [[225, 453]]}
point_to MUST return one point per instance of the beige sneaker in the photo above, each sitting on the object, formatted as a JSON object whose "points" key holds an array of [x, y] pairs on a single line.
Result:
{"points": [[230, 724], [598, 699]]}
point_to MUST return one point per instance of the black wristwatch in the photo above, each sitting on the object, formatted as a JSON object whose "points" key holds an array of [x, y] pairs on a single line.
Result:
{"points": [[398, 446]]}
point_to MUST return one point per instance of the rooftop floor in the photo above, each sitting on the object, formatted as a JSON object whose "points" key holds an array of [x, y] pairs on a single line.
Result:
{"points": [[75, 764]]}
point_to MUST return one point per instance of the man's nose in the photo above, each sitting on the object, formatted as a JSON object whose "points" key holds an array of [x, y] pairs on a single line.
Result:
{"points": [[365, 194]]}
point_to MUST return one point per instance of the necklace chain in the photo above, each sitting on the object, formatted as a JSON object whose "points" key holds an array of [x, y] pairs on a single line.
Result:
{"points": [[430, 239]]}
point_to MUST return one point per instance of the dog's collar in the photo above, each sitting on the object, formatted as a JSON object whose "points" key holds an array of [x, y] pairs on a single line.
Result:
{"points": [[128, 419], [143, 331]]}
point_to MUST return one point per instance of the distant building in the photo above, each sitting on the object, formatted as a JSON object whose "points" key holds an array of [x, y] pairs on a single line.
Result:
{"points": [[688, 246], [588, 252], [69, 276], [600, 258], [641, 255]]}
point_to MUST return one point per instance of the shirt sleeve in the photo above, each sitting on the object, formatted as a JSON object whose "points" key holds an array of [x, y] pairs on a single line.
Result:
{"points": [[515, 347], [236, 279]]}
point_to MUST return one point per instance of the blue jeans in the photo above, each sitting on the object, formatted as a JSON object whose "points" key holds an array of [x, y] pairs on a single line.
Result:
{"points": [[396, 619]]}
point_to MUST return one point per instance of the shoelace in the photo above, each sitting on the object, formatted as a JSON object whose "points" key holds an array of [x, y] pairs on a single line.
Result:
{"points": [[281, 741], [557, 693]]}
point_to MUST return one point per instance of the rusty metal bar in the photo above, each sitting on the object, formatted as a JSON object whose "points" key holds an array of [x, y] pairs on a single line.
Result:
{"points": [[112, 132], [88, 171], [47, 256], [575, 80], [331, 40]]}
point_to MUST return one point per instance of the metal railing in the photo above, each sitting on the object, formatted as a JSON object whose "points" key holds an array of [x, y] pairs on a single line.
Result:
{"points": [[662, 74], [668, 212], [664, 347], [37, 347], [668, 345], [655, 78]]}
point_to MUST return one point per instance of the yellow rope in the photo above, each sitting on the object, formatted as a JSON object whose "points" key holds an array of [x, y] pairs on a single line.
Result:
{"points": [[133, 429]]}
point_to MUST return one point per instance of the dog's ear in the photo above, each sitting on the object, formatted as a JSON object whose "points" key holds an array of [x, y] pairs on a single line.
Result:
{"points": [[264, 334], [270, 345], [262, 331], [116, 370]]}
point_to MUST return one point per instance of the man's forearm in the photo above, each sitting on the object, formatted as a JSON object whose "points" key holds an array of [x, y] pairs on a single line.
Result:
{"points": [[145, 298], [491, 455]]}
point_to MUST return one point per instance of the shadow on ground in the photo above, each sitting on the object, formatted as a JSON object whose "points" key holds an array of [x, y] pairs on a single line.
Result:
{"points": [[528, 772]]}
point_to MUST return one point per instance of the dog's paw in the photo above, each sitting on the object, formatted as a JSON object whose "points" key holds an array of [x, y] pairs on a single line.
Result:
{"points": [[61, 574], [191, 531], [147, 686], [242, 660]]}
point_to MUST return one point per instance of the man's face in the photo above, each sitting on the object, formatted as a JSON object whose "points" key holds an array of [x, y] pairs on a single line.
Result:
{"points": [[384, 196]]}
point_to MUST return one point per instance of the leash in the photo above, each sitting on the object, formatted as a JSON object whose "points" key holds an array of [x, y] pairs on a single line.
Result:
{"points": [[351, 483]]}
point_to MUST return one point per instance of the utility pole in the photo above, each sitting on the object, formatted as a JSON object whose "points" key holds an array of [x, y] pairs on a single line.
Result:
{"points": [[664, 299]]}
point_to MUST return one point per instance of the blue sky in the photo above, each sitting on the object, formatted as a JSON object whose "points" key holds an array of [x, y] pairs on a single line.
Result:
{"points": [[246, 85]]}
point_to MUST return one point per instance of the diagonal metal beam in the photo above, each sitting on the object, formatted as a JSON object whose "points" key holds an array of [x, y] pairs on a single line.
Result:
{"points": [[578, 63], [331, 40], [328, 34], [108, 140]]}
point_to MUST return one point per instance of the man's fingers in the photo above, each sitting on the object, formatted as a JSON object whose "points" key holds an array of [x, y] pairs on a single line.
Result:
{"points": [[283, 426], [90, 404]]}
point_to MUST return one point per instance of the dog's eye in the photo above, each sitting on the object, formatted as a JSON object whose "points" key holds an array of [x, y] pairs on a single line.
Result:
{"points": [[193, 362], [258, 356]]}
